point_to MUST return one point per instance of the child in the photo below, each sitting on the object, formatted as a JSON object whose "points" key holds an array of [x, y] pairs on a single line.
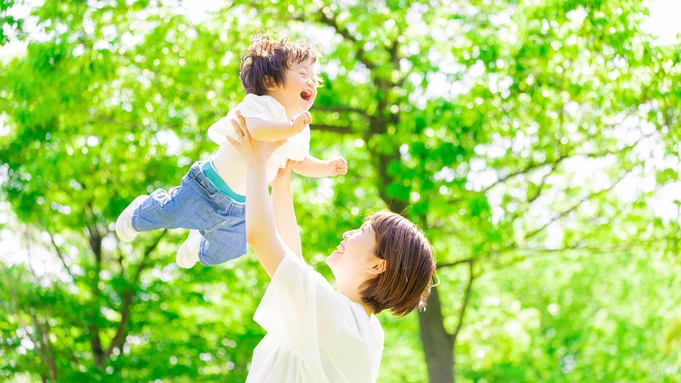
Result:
{"points": [[281, 86]]}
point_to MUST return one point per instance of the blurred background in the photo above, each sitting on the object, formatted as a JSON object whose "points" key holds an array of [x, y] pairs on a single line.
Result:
{"points": [[535, 142]]}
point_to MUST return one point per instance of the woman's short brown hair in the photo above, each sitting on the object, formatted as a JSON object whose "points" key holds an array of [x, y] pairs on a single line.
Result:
{"points": [[267, 60], [409, 266]]}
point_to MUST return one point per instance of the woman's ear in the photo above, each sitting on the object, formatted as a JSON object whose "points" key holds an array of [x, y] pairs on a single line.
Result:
{"points": [[377, 266]]}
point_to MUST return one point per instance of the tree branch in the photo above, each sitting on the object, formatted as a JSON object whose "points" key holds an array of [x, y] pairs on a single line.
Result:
{"points": [[342, 109], [101, 119], [542, 183], [614, 248], [43, 336], [15, 311], [455, 263], [334, 129], [599, 249], [59, 253], [41, 339], [95, 241], [147, 253], [117, 340], [553, 163], [574, 207], [466, 299], [331, 21]]}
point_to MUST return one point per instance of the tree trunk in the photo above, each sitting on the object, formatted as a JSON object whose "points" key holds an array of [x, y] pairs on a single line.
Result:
{"points": [[438, 344]]}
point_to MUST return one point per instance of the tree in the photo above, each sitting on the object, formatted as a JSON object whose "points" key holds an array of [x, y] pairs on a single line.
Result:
{"points": [[95, 130], [490, 159]]}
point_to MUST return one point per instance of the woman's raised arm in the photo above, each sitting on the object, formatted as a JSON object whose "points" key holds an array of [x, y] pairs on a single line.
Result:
{"points": [[282, 201], [261, 231]]}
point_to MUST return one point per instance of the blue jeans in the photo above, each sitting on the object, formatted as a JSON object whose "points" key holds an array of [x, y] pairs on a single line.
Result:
{"points": [[197, 204]]}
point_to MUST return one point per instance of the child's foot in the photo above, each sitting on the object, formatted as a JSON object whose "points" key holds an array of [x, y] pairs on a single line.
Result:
{"points": [[188, 253], [124, 228]]}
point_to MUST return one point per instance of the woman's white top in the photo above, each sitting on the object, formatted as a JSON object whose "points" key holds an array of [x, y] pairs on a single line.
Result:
{"points": [[227, 160], [314, 333]]}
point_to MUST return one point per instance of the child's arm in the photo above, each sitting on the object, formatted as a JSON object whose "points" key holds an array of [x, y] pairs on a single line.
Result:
{"points": [[282, 201], [314, 167], [263, 130]]}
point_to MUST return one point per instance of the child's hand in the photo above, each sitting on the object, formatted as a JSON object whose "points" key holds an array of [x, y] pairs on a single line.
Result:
{"points": [[336, 166], [301, 121]]}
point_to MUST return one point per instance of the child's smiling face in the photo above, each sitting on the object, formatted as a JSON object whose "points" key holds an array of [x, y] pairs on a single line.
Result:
{"points": [[299, 90]]}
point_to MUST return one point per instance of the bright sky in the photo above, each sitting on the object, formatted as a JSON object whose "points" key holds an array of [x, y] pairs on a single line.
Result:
{"points": [[664, 20], [663, 23]]}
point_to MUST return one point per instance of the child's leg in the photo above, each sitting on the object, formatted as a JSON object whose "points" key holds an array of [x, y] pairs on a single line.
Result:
{"points": [[224, 242], [195, 204]]}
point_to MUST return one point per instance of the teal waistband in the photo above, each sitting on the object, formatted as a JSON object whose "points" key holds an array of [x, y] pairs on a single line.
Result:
{"points": [[209, 171]]}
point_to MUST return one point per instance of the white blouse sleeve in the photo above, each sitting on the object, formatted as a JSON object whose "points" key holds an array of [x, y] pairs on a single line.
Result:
{"points": [[222, 128], [296, 148], [300, 309]]}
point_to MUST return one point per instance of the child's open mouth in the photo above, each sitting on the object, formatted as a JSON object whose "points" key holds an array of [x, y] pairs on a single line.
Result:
{"points": [[306, 95]]}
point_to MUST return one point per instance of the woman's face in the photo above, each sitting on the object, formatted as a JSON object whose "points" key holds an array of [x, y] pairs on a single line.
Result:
{"points": [[355, 253]]}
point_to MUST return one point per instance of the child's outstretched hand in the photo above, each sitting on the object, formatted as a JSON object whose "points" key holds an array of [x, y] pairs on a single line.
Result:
{"points": [[301, 121], [336, 166]]}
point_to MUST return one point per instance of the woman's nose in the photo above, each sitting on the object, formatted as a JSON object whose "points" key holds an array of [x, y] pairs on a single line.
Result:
{"points": [[346, 235]]}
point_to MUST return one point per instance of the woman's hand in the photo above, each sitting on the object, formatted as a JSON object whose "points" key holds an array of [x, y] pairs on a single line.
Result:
{"points": [[283, 177], [251, 150]]}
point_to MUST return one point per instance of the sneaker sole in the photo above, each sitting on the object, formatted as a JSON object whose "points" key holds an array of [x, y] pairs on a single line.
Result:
{"points": [[120, 230], [183, 258]]}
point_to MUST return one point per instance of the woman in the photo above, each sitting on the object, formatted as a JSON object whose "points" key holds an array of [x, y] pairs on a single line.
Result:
{"points": [[316, 333]]}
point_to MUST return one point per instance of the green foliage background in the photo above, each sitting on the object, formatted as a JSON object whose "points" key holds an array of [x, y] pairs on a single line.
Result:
{"points": [[531, 140]]}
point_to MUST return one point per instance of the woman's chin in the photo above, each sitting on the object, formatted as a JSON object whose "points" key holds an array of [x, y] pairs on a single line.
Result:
{"points": [[333, 257]]}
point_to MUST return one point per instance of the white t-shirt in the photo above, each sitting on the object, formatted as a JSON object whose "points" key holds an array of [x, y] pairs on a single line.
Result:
{"points": [[314, 333], [227, 160]]}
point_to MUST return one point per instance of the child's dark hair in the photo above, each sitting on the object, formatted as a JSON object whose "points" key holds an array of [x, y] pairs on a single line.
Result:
{"points": [[267, 60]]}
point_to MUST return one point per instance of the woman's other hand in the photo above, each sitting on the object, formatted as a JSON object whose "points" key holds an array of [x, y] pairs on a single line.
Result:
{"points": [[283, 177]]}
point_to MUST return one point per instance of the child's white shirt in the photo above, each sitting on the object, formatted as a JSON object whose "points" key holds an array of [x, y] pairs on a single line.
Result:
{"points": [[228, 162], [314, 333]]}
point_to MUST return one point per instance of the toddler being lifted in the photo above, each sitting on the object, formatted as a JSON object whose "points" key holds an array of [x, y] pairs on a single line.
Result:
{"points": [[281, 86]]}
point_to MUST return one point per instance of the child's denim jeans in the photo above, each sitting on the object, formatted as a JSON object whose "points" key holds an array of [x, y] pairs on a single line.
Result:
{"points": [[197, 204]]}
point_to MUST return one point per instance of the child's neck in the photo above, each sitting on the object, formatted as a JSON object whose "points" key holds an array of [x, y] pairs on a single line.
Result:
{"points": [[275, 96]]}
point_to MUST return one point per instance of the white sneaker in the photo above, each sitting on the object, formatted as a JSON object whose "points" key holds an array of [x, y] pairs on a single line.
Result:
{"points": [[124, 228], [188, 253]]}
